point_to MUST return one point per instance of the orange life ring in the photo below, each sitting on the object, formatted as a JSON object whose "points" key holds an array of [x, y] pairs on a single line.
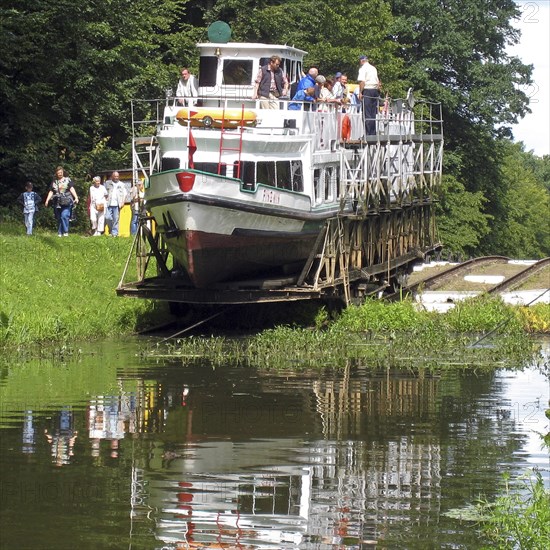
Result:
{"points": [[346, 128]]}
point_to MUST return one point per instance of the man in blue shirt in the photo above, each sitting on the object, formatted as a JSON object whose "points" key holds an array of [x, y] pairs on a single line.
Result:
{"points": [[302, 95], [308, 80]]}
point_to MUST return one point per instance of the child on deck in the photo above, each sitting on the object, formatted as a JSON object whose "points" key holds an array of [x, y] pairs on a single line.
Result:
{"points": [[30, 201]]}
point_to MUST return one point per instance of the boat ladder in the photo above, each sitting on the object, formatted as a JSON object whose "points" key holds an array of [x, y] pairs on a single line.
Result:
{"points": [[231, 148]]}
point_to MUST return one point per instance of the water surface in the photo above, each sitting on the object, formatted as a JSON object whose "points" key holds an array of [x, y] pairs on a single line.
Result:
{"points": [[114, 449]]}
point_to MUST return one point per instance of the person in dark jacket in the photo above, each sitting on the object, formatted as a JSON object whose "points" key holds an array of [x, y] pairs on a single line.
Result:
{"points": [[271, 84]]}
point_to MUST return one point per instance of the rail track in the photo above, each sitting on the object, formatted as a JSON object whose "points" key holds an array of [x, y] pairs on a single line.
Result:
{"points": [[461, 270], [521, 277]]}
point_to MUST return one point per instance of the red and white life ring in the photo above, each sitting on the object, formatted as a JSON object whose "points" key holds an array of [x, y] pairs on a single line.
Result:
{"points": [[346, 128]]}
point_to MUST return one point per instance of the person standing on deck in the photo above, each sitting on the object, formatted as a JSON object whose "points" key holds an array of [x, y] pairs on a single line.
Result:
{"points": [[340, 89], [187, 88], [271, 84], [369, 86], [308, 80]]}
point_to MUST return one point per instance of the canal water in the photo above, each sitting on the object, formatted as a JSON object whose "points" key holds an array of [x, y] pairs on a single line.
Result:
{"points": [[113, 448]]}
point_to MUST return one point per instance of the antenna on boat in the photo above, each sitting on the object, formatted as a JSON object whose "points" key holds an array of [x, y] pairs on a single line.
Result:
{"points": [[219, 32]]}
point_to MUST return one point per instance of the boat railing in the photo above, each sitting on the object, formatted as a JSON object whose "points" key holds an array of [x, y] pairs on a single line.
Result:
{"points": [[401, 164], [397, 117]]}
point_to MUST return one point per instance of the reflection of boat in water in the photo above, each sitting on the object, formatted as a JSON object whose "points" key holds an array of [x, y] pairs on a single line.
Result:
{"points": [[261, 491], [238, 191]]}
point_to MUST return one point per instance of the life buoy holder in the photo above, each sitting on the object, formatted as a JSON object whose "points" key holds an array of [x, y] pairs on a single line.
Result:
{"points": [[346, 128], [216, 117]]}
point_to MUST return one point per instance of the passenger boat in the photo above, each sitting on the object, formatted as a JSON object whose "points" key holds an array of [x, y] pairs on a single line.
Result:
{"points": [[238, 191]]}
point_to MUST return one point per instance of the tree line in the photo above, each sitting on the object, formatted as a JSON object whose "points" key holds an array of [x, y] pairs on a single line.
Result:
{"points": [[69, 70]]}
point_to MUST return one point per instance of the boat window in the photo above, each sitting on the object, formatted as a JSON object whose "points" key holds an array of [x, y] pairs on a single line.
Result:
{"points": [[330, 181], [248, 174], [293, 70], [283, 175], [210, 167], [316, 186], [237, 71], [168, 163], [286, 66], [207, 71], [266, 173], [296, 175], [237, 169]]}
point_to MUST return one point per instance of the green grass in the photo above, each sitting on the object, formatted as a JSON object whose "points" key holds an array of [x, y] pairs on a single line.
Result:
{"points": [[63, 289], [378, 334], [60, 289]]}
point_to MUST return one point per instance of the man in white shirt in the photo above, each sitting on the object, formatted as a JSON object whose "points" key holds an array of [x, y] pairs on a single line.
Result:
{"points": [[340, 88], [187, 88], [116, 197], [369, 86]]}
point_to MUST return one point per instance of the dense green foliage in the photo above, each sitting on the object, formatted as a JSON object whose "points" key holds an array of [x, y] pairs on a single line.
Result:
{"points": [[380, 334], [69, 70]]}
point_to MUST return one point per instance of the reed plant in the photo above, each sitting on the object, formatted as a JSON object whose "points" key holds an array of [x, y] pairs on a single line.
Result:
{"points": [[520, 517]]}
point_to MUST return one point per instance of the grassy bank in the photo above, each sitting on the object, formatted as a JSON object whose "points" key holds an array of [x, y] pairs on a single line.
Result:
{"points": [[58, 289]]}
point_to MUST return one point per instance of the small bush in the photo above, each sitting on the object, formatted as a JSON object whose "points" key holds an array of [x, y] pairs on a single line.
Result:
{"points": [[483, 314], [535, 319], [520, 518]]}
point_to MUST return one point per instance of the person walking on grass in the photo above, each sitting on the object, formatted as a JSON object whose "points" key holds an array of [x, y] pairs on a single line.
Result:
{"points": [[63, 196], [116, 197], [30, 201], [98, 196]]}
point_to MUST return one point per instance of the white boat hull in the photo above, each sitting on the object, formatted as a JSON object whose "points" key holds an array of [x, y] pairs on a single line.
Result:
{"points": [[218, 232]]}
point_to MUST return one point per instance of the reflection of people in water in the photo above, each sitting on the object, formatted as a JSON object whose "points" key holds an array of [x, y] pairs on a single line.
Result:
{"points": [[29, 441], [109, 418], [62, 439]]}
